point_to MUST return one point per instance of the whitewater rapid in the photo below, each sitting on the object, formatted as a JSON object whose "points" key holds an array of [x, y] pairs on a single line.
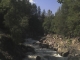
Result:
{"points": [[44, 53]]}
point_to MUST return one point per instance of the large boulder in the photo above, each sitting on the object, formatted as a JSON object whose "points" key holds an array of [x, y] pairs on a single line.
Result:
{"points": [[55, 49], [63, 51], [65, 54], [38, 58]]}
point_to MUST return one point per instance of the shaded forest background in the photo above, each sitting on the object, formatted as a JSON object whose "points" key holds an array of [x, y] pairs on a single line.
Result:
{"points": [[20, 19]]}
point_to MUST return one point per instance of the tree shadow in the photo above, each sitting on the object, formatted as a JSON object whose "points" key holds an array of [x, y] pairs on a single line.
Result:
{"points": [[10, 50]]}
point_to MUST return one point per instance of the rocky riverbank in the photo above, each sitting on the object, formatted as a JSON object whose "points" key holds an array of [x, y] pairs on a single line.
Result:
{"points": [[64, 46]]}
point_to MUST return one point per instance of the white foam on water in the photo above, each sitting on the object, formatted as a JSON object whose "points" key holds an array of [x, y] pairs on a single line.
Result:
{"points": [[52, 55], [57, 55]]}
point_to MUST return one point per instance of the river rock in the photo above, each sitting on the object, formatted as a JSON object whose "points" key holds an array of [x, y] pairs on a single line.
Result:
{"points": [[63, 51], [38, 58], [65, 54], [55, 49]]}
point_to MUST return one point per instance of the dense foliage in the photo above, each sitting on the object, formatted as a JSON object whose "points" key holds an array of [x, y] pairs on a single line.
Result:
{"points": [[67, 16], [18, 19]]}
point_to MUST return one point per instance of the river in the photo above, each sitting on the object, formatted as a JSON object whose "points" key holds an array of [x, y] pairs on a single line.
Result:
{"points": [[44, 53]]}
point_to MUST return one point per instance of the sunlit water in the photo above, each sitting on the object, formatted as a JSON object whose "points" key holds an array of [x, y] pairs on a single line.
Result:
{"points": [[45, 54]]}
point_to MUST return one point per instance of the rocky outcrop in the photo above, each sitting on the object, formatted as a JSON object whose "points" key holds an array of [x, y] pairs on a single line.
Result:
{"points": [[62, 45], [56, 44]]}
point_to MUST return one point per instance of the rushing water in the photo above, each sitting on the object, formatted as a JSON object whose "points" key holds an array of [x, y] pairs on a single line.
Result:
{"points": [[44, 53]]}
